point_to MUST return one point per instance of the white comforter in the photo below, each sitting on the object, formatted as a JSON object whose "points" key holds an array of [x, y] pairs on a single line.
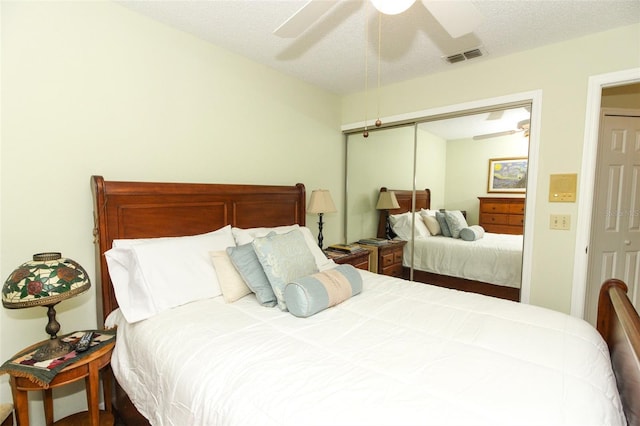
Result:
{"points": [[494, 258], [400, 353]]}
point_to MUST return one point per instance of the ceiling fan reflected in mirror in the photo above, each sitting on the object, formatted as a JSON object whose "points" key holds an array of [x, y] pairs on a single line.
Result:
{"points": [[456, 17], [522, 127]]}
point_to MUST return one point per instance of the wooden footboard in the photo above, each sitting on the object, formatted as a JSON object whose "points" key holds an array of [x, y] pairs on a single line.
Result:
{"points": [[619, 324]]}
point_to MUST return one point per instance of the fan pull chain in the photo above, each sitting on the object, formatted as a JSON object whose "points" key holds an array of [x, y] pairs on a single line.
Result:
{"points": [[378, 122], [366, 67]]}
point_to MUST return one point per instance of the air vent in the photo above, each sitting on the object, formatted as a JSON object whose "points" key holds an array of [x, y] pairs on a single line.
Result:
{"points": [[475, 53], [456, 58], [464, 56]]}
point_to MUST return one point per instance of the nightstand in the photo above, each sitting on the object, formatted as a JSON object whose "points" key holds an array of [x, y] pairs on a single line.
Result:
{"points": [[389, 257], [359, 259], [89, 368]]}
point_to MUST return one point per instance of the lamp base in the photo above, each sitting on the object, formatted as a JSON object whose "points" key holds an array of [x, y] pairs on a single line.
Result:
{"points": [[55, 348]]}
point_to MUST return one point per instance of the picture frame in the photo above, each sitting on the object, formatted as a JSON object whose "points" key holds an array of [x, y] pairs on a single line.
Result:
{"points": [[508, 175]]}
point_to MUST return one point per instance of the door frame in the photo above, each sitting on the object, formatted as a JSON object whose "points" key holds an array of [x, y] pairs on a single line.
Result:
{"points": [[587, 179]]}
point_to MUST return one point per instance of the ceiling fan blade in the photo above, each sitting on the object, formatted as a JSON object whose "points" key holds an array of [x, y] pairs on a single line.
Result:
{"points": [[495, 115], [456, 17], [495, 135], [305, 17]]}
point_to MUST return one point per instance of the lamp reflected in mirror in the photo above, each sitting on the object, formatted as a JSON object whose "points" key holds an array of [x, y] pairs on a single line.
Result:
{"points": [[387, 201]]}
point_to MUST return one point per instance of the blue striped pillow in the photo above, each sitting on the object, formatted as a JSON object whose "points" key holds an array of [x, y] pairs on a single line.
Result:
{"points": [[309, 295]]}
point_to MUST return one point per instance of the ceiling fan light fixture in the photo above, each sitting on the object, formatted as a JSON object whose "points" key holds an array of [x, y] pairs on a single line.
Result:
{"points": [[392, 7]]}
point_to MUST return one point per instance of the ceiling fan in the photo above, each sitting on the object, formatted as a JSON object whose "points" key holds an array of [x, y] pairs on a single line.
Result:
{"points": [[456, 17], [522, 127]]}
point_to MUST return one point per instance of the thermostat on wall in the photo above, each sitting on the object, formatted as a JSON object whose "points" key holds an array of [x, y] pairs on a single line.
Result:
{"points": [[562, 188]]}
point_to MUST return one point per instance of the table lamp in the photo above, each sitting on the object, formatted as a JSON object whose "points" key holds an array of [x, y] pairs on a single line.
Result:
{"points": [[387, 201], [321, 203], [45, 281]]}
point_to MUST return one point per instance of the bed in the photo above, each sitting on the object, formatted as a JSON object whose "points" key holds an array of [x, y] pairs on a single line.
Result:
{"points": [[399, 352], [492, 265]]}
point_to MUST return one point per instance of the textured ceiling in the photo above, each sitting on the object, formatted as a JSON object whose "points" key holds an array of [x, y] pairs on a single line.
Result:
{"points": [[331, 53]]}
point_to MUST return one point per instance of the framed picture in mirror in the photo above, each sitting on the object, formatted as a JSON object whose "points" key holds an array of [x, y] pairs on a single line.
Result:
{"points": [[507, 175]]}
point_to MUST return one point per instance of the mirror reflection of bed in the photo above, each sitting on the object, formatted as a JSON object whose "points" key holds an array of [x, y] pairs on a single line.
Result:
{"points": [[450, 157], [490, 264]]}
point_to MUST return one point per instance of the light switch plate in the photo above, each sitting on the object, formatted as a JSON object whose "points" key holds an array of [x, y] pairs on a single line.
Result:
{"points": [[560, 221]]}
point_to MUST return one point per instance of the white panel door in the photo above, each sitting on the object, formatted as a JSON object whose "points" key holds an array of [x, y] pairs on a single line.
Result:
{"points": [[614, 250]]}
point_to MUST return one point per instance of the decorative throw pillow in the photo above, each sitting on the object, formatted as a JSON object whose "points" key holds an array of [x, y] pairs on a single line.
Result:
{"points": [[472, 233], [245, 236], [431, 223], [248, 266], [284, 257], [428, 212], [231, 283], [309, 295], [442, 221], [455, 221]]}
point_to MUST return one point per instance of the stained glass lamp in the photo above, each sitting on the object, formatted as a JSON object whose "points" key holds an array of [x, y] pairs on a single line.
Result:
{"points": [[45, 281]]}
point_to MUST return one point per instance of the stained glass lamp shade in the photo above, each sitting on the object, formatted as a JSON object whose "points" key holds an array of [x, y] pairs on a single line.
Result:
{"points": [[45, 281]]}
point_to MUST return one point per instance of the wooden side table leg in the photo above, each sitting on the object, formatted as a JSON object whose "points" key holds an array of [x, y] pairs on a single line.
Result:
{"points": [[107, 390], [21, 403], [93, 384], [48, 406]]}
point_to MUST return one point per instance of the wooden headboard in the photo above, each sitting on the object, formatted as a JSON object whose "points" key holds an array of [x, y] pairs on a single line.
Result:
{"points": [[148, 209], [405, 198]]}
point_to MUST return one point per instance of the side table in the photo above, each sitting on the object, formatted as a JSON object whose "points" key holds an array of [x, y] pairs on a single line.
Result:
{"points": [[359, 259], [88, 368]]}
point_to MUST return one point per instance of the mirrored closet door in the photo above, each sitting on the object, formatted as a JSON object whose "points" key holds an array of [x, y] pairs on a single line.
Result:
{"points": [[449, 155]]}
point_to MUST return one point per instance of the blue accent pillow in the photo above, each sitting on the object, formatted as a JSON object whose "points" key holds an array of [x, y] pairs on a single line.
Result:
{"points": [[246, 262], [442, 221], [472, 233], [456, 221], [284, 257], [309, 295]]}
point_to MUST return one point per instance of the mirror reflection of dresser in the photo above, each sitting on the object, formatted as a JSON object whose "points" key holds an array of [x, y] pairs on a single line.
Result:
{"points": [[502, 215]]}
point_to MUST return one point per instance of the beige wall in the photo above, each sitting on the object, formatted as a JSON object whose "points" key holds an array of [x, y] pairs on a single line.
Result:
{"points": [[561, 71], [92, 88], [468, 168]]}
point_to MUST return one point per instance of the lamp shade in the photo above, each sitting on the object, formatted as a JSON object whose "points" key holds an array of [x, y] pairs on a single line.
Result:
{"points": [[46, 280], [392, 7], [321, 202], [387, 201]]}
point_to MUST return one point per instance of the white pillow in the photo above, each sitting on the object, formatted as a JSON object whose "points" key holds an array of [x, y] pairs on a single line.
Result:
{"points": [[245, 236], [231, 283], [402, 224], [152, 275]]}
